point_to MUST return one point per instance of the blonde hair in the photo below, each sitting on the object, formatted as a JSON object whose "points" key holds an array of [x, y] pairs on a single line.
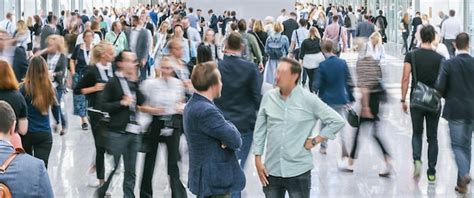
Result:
{"points": [[58, 41], [425, 17], [376, 35], [314, 33], [278, 27], [258, 26], [98, 50], [21, 27]]}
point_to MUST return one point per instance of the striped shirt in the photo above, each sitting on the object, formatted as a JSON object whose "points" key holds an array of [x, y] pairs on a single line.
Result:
{"points": [[368, 72]]}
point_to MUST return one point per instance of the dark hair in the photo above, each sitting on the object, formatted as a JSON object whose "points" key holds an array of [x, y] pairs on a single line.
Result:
{"points": [[418, 13], [295, 66], [428, 34], [135, 18], [63, 12], [293, 14], [190, 10], [452, 13], [204, 76], [204, 53], [327, 46], [198, 10], [366, 17], [210, 11], [8, 117], [120, 55], [349, 8], [380, 12], [462, 41], [87, 31], [51, 18], [283, 10], [234, 41], [303, 22], [242, 24], [335, 18], [233, 13]]}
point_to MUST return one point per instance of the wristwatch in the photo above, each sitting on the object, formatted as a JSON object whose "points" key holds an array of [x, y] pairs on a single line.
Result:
{"points": [[402, 100], [314, 142]]}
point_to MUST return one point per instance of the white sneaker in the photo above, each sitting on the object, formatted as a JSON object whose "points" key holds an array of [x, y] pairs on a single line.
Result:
{"points": [[344, 166]]}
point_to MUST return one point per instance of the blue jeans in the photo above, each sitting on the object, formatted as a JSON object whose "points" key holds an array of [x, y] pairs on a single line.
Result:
{"points": [[349, 33], [297, 187], [58, 114], [243, 154], [460, 132]]}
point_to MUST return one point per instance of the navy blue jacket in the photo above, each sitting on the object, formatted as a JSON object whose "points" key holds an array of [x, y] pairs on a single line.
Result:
{"points": [[26, 176], [212, 169], [20, 63], [241, 92], [213, 23], [457, 87], [333, 82]]}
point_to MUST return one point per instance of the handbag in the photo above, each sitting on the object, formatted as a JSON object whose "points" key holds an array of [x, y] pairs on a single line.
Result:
{"points": [[423, 97], [352, 117]]}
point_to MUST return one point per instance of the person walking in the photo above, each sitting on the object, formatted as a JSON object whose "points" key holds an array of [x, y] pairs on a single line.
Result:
{"points": [[40, 96], [458, 90], [241, 94], [311, 56], [424, 66], [404, 27], [450, 28], [277, 47]]}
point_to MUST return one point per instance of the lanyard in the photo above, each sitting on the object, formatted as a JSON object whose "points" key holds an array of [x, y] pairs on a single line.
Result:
{"points": [[87, 56]]}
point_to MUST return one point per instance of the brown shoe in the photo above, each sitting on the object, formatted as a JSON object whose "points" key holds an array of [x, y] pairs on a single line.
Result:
{"points": [[462, 185]]}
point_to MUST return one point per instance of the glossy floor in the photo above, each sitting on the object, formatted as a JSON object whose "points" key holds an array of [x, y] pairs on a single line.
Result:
{"points": [[72, 154]]}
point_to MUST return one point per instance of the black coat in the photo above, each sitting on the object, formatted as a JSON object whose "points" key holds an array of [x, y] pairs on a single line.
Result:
{"points": [[457, 87]]}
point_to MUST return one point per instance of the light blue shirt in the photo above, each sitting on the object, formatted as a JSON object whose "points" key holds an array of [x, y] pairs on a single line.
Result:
{"points": [[285, 125]]}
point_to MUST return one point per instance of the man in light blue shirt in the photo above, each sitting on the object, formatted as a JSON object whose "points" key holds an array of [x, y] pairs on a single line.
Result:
{"points": [[285, 122]]}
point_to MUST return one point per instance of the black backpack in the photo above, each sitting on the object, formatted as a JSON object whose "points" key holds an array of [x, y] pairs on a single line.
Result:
{"points": [[347, 21]]}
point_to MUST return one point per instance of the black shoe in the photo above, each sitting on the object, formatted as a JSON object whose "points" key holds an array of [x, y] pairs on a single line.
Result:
{"points": [[63, 132], [85, 126]]}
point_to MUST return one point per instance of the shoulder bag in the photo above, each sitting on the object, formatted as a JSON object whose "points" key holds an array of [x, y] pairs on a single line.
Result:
{"points": [[423, 97]]}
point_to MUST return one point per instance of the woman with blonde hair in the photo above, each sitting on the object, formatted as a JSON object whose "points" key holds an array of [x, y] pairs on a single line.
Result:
{"points": [[161, 39], [311, 55], [91, 85], [276, 47], [261, 36], [375, 46], [40, 96], [57, 62], [209, 40], [22, 35]]}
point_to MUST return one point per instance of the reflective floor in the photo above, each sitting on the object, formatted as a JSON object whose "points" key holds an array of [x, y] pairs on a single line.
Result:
{"points": [[72, 155]]}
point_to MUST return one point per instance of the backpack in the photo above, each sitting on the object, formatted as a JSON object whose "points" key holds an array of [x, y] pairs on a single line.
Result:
{"points": [[4, 190], [347, 21], [246, 52], [274, 48]]}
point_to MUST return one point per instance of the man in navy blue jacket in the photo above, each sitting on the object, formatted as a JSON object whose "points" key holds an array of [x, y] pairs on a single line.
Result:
{"points": [[212, 140], [241, 94], [333, 85], [456, 85], [213, 21]]}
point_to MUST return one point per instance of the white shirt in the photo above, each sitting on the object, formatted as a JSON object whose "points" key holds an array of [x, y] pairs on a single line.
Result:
{"points": [[133, 39], [451, 28], [8, 26], [8, 54], [163, 93], [378, 52], [443, 50], [80, 39], [282, 18]]}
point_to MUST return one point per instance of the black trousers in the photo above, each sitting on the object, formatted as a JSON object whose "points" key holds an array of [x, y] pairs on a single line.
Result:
{"points": [[98, 131], [126, 145], [418, 118], [172, 144], [38, 144], [412, 44], [374, 104], [297, 187]]}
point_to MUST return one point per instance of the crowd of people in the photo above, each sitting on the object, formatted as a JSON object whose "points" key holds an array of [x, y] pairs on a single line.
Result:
{"points": [[160, 73]]}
